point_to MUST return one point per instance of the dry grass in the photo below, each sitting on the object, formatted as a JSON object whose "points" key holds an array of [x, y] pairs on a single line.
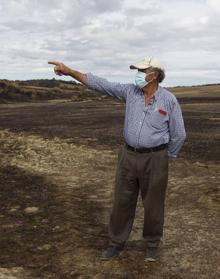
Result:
{"points": [[196, 91]]}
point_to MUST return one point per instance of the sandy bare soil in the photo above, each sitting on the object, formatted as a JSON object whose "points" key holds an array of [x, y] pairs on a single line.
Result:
{"points": [[57, 170]]}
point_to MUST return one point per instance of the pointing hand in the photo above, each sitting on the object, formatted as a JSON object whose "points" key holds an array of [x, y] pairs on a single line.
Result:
{"points": [[59, 69]]}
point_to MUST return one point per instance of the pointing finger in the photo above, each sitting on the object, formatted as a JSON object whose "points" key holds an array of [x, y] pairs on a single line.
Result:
{"points": [[54, 62]]}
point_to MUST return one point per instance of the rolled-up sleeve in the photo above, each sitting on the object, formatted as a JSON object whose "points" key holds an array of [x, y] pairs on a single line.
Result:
{"points": [[114, 89], [177, 130]]}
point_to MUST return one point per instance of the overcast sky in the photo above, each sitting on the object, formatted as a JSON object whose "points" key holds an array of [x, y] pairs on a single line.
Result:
{"points": [[106, 36]]}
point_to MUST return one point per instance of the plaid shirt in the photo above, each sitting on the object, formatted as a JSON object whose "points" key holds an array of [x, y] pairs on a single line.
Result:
{"points": [[157, 123]]}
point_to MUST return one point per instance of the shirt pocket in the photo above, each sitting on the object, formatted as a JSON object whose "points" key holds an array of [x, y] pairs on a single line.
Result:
{"points": [[159, 120]]}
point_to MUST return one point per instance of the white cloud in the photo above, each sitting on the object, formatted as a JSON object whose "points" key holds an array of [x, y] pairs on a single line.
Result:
{"points": [[214, 4], [105, 37]]}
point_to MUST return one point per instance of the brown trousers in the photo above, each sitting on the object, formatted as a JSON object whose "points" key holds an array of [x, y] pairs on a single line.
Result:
{"points": [[149, 173]]}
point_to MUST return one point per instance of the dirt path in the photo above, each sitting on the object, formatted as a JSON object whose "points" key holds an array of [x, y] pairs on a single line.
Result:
{"points": [[56, 196]]}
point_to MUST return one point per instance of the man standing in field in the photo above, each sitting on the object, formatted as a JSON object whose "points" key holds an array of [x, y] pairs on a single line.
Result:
{"points": [[153, 132]]}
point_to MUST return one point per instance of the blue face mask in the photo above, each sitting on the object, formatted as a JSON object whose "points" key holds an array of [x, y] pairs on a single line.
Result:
{"points": [[140, 79]]}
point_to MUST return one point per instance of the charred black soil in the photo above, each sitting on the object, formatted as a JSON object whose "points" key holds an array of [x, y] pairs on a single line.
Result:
{"points": [[58, 162]]}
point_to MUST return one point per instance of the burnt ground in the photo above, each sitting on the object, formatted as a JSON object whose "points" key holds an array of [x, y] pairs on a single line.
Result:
{"points": [[59, 159]]}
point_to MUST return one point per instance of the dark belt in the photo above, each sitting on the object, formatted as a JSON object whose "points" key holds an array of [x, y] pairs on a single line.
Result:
{"points": [[146, 150]]}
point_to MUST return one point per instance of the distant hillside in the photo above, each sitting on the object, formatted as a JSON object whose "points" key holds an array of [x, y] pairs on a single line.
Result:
{"points": [[44, 89], [201, 93], [49, 89], [50, 83]]}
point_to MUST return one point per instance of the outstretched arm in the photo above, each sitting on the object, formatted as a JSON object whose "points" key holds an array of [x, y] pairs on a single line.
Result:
{"points": [[61, 69], [114, 89]]}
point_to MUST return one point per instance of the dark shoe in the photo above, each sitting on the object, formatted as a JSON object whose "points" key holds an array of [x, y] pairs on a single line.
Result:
{"points": [[152, 254], [111, 252]]}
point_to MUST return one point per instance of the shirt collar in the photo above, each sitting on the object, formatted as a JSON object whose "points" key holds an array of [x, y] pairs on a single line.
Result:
{"points": [[156, 94]]}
